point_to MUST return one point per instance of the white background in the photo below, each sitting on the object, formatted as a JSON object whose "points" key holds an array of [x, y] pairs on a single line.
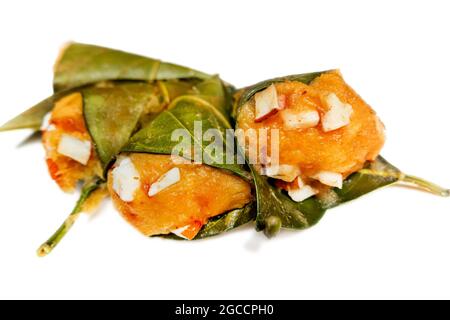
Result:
{"points": [[390, 244]]}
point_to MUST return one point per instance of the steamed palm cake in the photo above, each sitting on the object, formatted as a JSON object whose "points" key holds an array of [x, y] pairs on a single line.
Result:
{"points": [[326, 131], [158, 196], [69, 151]]}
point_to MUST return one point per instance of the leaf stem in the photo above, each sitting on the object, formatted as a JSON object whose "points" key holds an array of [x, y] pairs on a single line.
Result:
{"points": [[425, 185], [53, 241]]}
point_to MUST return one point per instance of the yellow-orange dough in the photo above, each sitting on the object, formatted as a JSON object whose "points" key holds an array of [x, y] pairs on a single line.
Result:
{"points": [[202, 192], [344, 150], [67, 118]]}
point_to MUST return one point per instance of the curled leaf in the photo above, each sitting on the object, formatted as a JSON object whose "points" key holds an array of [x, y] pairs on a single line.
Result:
{"points": [[82, 64], [377, 174], [33, 117], [374, 175], [222, 223], [183, 114], [227, 222], [112, 114]]}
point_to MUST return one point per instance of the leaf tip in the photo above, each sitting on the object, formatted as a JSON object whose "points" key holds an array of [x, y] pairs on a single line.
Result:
{"points": [[272, 226], [44, 250]]}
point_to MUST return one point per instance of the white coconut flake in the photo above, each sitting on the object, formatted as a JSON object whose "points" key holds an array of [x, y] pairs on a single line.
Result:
{"points": [[266, 103], [281, 101], [126, 179], [338, 114], [179, 232], [74, 148], [283, 172], [169, 178], [300, 120], [46, 122], [300, 182], [329, 178], [303, 193]]}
